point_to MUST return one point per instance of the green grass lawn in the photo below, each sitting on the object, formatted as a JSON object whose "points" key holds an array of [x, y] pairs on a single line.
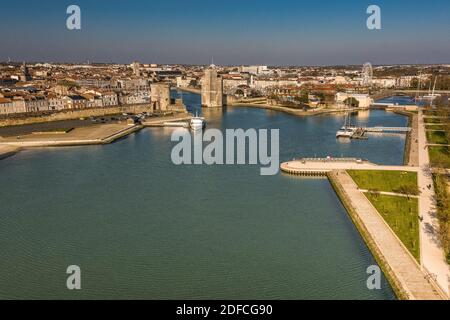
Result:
{"points": [[388, 181], [436, 127], [401, 214], [430, 112], [437, 137], [432, 120], [439, 156]]}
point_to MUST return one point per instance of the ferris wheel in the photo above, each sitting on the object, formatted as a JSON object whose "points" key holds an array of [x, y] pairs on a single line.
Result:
{"points": [[367, 74]]}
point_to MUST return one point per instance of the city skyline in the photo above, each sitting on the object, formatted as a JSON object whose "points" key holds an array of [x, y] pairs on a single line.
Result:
{"points": [[267, 33]]}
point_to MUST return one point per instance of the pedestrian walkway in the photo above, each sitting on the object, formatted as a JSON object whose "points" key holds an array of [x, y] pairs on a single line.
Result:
{"points": [[432, 254], [403, 268]]}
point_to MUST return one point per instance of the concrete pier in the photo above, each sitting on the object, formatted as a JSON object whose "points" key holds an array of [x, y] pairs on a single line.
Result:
{"points": [[161, 121], [101, 134]]}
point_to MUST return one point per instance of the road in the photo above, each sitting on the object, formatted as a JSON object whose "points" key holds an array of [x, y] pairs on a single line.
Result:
{"points": [[432, 254]]}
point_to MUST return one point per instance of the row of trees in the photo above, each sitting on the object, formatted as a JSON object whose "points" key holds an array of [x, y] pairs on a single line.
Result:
{"points": [[441, 181], [443, 212], [442, 83], [443, 112]]}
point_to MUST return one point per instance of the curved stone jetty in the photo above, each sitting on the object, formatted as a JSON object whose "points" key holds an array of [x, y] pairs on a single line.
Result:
{"points": [[322, 166]]}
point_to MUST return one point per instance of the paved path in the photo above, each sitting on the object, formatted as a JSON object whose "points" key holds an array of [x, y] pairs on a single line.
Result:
{"points": [[413, 157], [404, 267], [434, 117], [432, 255], [391, 193]]}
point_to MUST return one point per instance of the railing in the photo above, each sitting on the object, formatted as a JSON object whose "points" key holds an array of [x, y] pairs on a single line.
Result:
{"points": [[330, 159], [387, 129]]}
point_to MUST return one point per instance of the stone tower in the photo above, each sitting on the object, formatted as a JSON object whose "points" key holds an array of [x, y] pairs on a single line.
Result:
{"points": [[136, 69], [25, 76], [160, 96], [212, 89]]}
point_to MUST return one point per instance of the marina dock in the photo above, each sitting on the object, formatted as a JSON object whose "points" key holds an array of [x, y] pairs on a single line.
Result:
{"points": [[387, 129], [172, 121], [360, 132]]}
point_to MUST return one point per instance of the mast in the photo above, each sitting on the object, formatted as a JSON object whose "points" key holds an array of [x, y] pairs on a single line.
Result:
{"points": [[434, 86], [432, 95], [418, 87]]}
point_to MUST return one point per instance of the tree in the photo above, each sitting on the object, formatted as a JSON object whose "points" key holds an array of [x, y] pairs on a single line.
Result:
{"points": [[193, 83], [321, 97], [303, 98], [414, 83]]}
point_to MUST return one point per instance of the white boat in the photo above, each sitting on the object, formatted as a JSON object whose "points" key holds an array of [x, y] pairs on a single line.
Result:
{"points": [[197, 123], [346, 131], [431, 96]]}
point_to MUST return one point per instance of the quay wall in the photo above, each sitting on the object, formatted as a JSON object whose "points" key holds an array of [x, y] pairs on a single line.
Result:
{"points": [[399, 266], [382, 263], [71, 115], [8, 151]]}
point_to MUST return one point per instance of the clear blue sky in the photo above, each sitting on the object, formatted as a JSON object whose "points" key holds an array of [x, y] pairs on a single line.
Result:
{"points": [[282, 32]]}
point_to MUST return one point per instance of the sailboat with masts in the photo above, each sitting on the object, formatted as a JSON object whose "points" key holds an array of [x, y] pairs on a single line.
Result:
{"points": [[431, 94], [347, 130]]}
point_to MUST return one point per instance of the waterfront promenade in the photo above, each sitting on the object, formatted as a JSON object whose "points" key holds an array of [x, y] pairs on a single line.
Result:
{"points": [[89, 135], [432, 253], [398, 263], [425, 281], [412, 148]]}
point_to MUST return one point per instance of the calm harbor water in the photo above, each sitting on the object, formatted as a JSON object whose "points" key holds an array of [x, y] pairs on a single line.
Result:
{"points": [[141, 227]]}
